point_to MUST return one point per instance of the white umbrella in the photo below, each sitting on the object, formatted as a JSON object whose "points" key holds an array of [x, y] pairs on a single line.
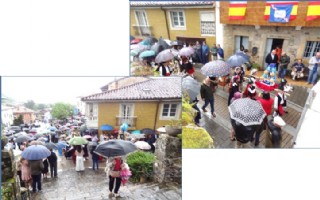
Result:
{"points": [[142, 145]]}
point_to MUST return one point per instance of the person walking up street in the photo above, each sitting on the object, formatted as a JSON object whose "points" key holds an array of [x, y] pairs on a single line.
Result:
{"points": [[283, 65], [95, 159], [207, 95], [314, 65], [36, 167], [53, 162]]}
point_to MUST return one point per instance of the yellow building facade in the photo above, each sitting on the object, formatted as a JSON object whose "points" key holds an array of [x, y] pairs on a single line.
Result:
{"points": [[182, 21]]}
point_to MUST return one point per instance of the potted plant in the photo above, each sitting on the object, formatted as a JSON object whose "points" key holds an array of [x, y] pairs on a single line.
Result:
{"points": [[141, 165]]}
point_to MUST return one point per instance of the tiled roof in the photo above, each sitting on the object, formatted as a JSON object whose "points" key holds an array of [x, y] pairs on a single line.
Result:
{"points": [[153, 89], [22, 109], [171, 3]]}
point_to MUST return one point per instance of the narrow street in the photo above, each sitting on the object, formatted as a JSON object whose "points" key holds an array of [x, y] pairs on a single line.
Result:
{"points": [[93, 185]]}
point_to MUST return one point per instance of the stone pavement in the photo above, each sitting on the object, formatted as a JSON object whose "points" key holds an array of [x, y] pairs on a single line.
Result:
{"points": [[93, 185], [219, 128]]}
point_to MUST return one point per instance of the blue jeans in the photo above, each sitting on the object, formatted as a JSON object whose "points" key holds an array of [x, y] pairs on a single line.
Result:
{"points": [[95, 163], [206, 102], [312, 78], [282, 72]]}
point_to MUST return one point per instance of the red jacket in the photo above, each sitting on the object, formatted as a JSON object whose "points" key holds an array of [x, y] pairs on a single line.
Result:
{"points": [[266, 105]]}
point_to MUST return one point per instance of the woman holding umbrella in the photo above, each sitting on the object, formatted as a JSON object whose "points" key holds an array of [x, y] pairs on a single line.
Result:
{"points": [[114, 175]]}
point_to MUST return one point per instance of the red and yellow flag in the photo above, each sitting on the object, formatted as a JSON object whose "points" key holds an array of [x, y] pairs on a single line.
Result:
{"points": [[313, 10], [237, 10], [293, 12]]}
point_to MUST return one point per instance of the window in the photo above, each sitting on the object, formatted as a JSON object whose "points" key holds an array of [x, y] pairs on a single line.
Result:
{"points": [[207, 24], [126, 115], [177, 19], [170, 111], [311, 48], [142, 23], [92, 110]]}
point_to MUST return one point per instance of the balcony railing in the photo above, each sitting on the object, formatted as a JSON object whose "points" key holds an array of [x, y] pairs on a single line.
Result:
{"points": [[142, 30], [131, 121]]}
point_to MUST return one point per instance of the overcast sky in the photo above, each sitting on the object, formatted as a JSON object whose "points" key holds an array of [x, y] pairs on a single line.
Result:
{"points": [[51, 89]]}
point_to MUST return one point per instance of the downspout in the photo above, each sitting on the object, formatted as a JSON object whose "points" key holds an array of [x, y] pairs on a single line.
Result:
{"points": [[156, 116], [167, 26]]}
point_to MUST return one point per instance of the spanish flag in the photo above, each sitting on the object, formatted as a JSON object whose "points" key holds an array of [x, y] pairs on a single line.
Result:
{"points": [[293, 12], [313, 10], [237, 10]]}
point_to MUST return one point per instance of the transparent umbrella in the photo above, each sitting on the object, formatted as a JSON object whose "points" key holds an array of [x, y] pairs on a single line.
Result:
{"points": [[191, 86]]}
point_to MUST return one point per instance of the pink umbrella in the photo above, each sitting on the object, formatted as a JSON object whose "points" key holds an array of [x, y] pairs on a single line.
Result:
{"points": [[186, 51], [87, 136]]}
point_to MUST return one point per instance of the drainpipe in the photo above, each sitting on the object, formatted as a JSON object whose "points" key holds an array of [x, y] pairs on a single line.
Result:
{"points": [[167, 26], [156, 116]]}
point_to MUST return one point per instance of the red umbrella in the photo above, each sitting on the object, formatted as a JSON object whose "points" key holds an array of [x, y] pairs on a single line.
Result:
{"points": [[135, 41]]}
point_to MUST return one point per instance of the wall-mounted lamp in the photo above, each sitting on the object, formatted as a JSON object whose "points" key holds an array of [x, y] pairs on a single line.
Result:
{"points": [[298, 28]]}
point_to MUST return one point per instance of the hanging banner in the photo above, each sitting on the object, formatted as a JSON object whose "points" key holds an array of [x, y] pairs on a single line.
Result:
{"points": [[237, 10], [280, 13], [313, 10], [294, 11]]}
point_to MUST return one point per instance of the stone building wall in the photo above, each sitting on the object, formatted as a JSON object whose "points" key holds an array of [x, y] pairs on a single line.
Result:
{"points": [[294, 40], [168, 164]]}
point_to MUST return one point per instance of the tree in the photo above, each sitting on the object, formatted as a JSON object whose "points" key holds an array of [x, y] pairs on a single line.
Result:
{"points": [[62, 110], [30, 104], [18, 121]]}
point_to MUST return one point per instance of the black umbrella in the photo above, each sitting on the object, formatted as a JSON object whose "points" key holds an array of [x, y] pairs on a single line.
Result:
{"points": [[148, 131], [149, 41], [114, 148], [23, 138]]}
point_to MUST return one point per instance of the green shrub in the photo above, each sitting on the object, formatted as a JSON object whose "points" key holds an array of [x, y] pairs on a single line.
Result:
{"points": [[256, 66], [141, 164], [196, 137], [188, 112]]}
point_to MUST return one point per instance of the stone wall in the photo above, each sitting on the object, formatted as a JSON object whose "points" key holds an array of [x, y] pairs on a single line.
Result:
{"points": [[168, 164], [294, 40]]}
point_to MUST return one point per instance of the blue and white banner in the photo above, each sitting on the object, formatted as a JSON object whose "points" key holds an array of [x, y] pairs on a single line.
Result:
{"points": [[280, 13]]}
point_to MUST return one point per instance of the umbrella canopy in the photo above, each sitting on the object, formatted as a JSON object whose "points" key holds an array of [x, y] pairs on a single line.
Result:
{"points": [[142, 145], [78, 141], [164, 56], [52, 128], [36, 143], [23, 138], [93, 144], [35, 152], [137, 136], [20, 133], [216, 68], [83, 127], [176, 43], [38, 135], [148, 131], [106, 127], [147, 53], [135, 41], [237, 60], [149, 41], [87, 136], [114, 148], [247, 112], [163, 43], [161, 129], [191, 86], [61, 144], [244, 55], [186, 51], [51, 145], [42, 139], [136, 132]]}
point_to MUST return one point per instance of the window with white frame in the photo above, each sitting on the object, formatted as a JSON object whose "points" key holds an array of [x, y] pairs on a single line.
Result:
{"points": [[311, 48], [177, 19], [207, 23], [92, 110], [126, 114], [170, 111]]}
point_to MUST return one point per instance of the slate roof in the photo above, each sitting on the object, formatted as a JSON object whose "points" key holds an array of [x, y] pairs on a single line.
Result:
{"points": [[155, 88], [171, 3]]}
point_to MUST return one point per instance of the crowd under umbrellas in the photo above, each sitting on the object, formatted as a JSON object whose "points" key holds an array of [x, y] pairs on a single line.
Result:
{"points": [[250, 113]]}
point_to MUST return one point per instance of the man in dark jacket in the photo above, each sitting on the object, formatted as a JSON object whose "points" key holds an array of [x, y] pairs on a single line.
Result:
{"points": [[274, 138], [206, 93], [36, 167], [53, 164], [243, 134], [283, 65], [272, 58]]}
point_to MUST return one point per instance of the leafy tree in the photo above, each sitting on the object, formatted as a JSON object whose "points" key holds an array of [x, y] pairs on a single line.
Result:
{"points": [[62, 111], [18, 121], [30, 104]]}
